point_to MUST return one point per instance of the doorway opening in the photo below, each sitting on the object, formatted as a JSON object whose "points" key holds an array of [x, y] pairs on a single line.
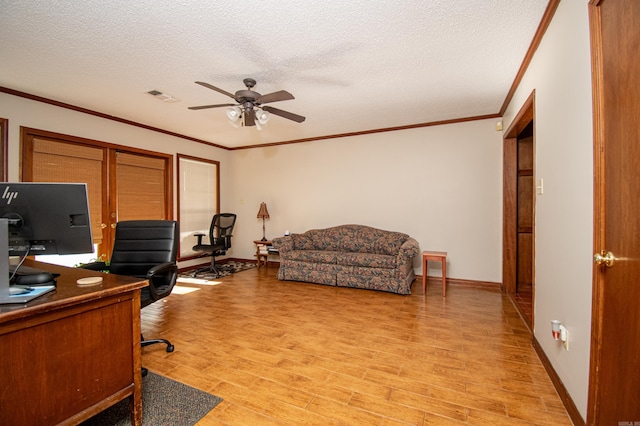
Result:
{"points": [[523, 295], [519, 189]]}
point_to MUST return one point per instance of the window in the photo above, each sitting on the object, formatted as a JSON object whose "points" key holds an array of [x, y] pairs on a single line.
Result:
{"points": [[198, 199], [140, 187]]}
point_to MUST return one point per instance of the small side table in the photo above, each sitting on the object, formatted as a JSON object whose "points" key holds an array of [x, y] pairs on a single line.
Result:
{"points": [[437, 256], [262, 258]]}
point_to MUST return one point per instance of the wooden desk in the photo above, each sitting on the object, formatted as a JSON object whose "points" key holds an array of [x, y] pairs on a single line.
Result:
{"points": [[73, 352]]}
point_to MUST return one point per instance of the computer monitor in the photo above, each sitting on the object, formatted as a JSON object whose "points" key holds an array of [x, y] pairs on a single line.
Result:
{"points": [[40, 219], [46, 218]]}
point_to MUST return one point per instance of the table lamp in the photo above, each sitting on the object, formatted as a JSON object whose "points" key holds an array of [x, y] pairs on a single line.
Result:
{"points": [[263, 214]]}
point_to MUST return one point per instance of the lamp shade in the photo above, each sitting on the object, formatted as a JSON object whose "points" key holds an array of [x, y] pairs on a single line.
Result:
{"points": [[234, 114], [262, 116], [263, 213]]}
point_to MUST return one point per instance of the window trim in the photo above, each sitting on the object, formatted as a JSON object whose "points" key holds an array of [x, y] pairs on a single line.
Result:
{"points": [[4, 149]]}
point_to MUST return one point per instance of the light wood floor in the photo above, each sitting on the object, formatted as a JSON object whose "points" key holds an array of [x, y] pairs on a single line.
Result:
{"points": [[287, 353]]}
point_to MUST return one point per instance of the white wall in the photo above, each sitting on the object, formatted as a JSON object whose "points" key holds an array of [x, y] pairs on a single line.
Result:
{"points": [[23, 112], [560, 73], [442, 185]]}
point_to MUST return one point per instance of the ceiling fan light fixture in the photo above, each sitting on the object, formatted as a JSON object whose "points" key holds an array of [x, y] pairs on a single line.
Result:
{"points": [[234, 114], [262, 116]]}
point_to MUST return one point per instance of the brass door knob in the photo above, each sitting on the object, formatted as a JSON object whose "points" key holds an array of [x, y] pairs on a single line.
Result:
{"points": [[604, 257]]}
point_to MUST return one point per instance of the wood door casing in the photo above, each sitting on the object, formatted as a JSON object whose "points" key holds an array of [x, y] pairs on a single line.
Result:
{"points": [[518, 246], [614, 382]]}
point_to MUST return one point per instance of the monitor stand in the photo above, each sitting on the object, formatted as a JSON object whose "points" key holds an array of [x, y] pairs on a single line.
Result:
{"points": [[5, 296]]}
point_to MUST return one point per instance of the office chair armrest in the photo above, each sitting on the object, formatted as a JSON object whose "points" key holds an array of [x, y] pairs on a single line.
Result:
{"points": [[162, 278], [95, 266], [199, 235]]}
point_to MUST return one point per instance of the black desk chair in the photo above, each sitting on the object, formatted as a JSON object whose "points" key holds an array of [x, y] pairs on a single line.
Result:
{"points": [[220, 233], [145, 249]]}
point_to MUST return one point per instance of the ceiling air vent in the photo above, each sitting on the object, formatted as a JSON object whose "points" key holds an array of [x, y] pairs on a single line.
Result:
{"points": [[162, 96]]}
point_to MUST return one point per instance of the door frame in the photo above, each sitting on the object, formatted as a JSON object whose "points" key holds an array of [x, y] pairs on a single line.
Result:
{"points": [[4, 143], [109, 172], [525, 115], [598, 207]]}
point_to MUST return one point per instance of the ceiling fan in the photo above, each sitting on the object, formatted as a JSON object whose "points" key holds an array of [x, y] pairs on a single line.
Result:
{"points": [[248, 107]]}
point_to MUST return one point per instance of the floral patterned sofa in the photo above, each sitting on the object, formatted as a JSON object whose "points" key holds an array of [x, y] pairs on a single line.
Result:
{"points": [[349, 256]]}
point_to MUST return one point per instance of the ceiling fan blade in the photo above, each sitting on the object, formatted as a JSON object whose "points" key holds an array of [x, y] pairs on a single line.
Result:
{"points": [[285, 114], [208, 86], [249, 118], [282, 95], [211, 106]]}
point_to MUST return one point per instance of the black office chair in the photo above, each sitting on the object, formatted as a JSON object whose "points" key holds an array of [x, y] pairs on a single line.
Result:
{"points": [[220, 233], [145, 249]]}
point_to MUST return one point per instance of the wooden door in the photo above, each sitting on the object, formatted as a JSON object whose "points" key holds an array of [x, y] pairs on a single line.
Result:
{"points": [[614, 389]]}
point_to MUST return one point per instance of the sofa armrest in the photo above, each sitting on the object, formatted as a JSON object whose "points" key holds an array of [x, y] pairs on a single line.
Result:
{"points": [[409, 249], [283, 244]]}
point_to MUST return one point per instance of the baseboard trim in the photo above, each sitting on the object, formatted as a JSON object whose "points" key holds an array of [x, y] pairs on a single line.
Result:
{"points": [[486, 285], [524, 318], [569, 405]]}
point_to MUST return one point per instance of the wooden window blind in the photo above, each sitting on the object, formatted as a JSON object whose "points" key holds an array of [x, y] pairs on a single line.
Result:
{"points": [[140, 187], [64, 162]]}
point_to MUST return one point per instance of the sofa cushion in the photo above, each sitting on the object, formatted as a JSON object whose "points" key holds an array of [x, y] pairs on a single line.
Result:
{"points": [[321, 273], [371, 278], [369, 260], [313, 256], [372, 240], [350, 238], [317, 239], [302, 241]]}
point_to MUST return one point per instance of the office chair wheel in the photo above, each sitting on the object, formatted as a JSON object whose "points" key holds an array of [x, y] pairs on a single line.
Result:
{"points": [[144, 372], [170, 348]]}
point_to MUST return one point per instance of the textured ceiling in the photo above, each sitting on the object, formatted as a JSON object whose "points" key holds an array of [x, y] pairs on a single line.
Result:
{"points": [[351, 65]]}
